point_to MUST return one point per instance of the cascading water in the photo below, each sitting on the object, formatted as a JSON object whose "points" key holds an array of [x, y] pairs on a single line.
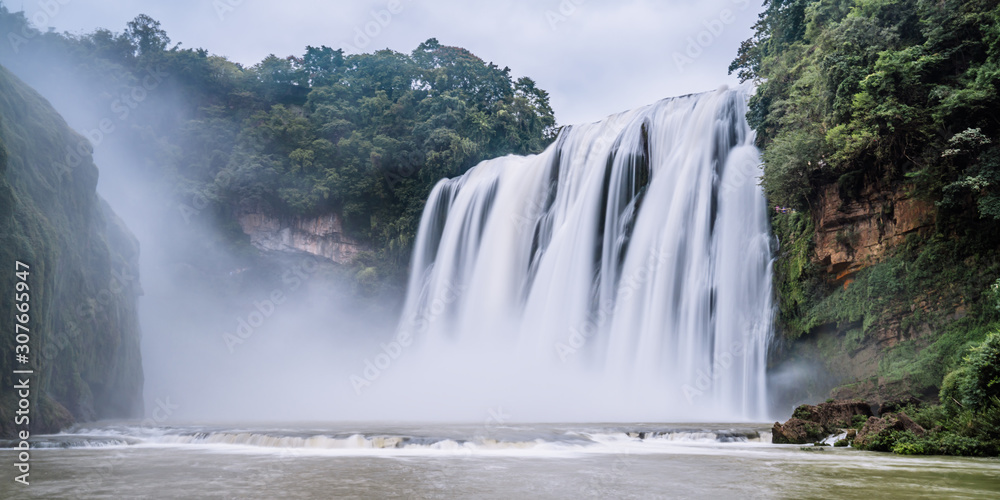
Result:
{"points": [[623, 273]]}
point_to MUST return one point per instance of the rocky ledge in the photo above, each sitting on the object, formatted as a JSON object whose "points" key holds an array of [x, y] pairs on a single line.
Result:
{"points": [[877, 429], [321, 235], [864, 429], [811, 423]]}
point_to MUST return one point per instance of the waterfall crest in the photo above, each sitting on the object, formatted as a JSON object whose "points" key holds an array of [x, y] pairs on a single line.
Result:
{"points": [[629, 265]]}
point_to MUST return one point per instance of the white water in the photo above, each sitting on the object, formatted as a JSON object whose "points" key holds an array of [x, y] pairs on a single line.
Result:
{"points": [[622, 274], [533, 440]]}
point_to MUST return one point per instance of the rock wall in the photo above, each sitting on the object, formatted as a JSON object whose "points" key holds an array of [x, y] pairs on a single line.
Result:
{"points": [[842, 358], [84, 345], [854, 234], [322, 235]]}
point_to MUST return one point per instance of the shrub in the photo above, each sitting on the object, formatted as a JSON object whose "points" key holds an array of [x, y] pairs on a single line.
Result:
{"points": [[977, 380], [950, 443], [909, 448], [983, 363], [858, 421]]}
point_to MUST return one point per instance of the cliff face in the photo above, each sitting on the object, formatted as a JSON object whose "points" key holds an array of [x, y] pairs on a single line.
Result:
{"points": [[322, 235], [84, 342], [879, 307], [857, 233]]}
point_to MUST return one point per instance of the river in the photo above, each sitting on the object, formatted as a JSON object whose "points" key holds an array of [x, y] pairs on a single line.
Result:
{"points": [[490, 460]]}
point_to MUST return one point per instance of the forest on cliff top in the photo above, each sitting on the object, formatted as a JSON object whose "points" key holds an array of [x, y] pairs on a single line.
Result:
{"points": [[362, 135]]}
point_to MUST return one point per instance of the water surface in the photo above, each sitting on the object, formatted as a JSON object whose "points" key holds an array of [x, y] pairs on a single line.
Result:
{"points": [[476, 461]]}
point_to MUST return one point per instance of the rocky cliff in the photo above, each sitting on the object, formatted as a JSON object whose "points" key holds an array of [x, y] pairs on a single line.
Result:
{"points": [[321, 235], [876, 304], [83, 281], [855, 233]]}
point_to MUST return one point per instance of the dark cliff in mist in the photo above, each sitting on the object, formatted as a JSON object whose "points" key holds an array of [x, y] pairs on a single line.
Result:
{"points": [[84, 329]]}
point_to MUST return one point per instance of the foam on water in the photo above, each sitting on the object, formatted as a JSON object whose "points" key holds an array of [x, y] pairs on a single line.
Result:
{"points": [[523, 441]]}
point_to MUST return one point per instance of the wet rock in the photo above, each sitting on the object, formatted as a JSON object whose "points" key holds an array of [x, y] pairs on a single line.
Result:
{"points": [[812, 422], [896, 405], [879, 429], [796, 431], [834, 415]]}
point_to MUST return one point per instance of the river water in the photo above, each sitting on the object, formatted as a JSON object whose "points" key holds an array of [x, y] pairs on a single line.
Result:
{"points": [[490, 460]]}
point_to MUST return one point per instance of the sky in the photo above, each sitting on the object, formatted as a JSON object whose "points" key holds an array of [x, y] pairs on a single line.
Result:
{"points": [[594, 57]]}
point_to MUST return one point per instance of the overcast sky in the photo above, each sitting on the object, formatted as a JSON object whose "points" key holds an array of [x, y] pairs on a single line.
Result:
{"points": [[595, 57]]}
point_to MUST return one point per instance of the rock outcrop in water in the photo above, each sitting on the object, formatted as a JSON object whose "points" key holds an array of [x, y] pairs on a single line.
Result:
{"points": [[877, 429], [84, 329], [811, 423]]}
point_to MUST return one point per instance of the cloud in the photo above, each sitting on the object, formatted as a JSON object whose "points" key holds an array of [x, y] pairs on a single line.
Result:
{"points": [[595, 57]]}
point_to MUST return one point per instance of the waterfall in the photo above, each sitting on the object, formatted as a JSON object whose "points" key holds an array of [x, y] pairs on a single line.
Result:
{"points": [[626, 267]]}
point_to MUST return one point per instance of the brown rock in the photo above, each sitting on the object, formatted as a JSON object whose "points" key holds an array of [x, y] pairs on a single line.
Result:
{"points": [[810, 423], [796, 431], [321, 235], [834, 415], [877, 428], [852, 234]]}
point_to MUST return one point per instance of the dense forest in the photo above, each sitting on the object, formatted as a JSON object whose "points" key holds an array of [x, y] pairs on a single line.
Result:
{"points": [[364, 135], [880, 105]]}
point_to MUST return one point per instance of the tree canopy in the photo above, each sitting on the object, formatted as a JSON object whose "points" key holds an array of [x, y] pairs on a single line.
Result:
{"points": [[365, 135], [860, 92]]}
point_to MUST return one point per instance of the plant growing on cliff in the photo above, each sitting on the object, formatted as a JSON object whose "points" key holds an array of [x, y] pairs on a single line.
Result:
{"points": [[977, 382]]}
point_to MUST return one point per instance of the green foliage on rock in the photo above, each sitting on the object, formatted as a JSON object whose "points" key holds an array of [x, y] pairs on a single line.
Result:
{"points": [[877, 90], [83, 276], [977, 381]]}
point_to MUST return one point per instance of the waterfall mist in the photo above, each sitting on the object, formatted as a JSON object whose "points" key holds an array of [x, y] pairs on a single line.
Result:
{"points": [[622, 274]]}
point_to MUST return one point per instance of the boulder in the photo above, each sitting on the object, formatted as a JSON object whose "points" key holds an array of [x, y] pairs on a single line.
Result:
{"points": [[813, 422], [796, 431], [877, 429], [834, 415]]}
